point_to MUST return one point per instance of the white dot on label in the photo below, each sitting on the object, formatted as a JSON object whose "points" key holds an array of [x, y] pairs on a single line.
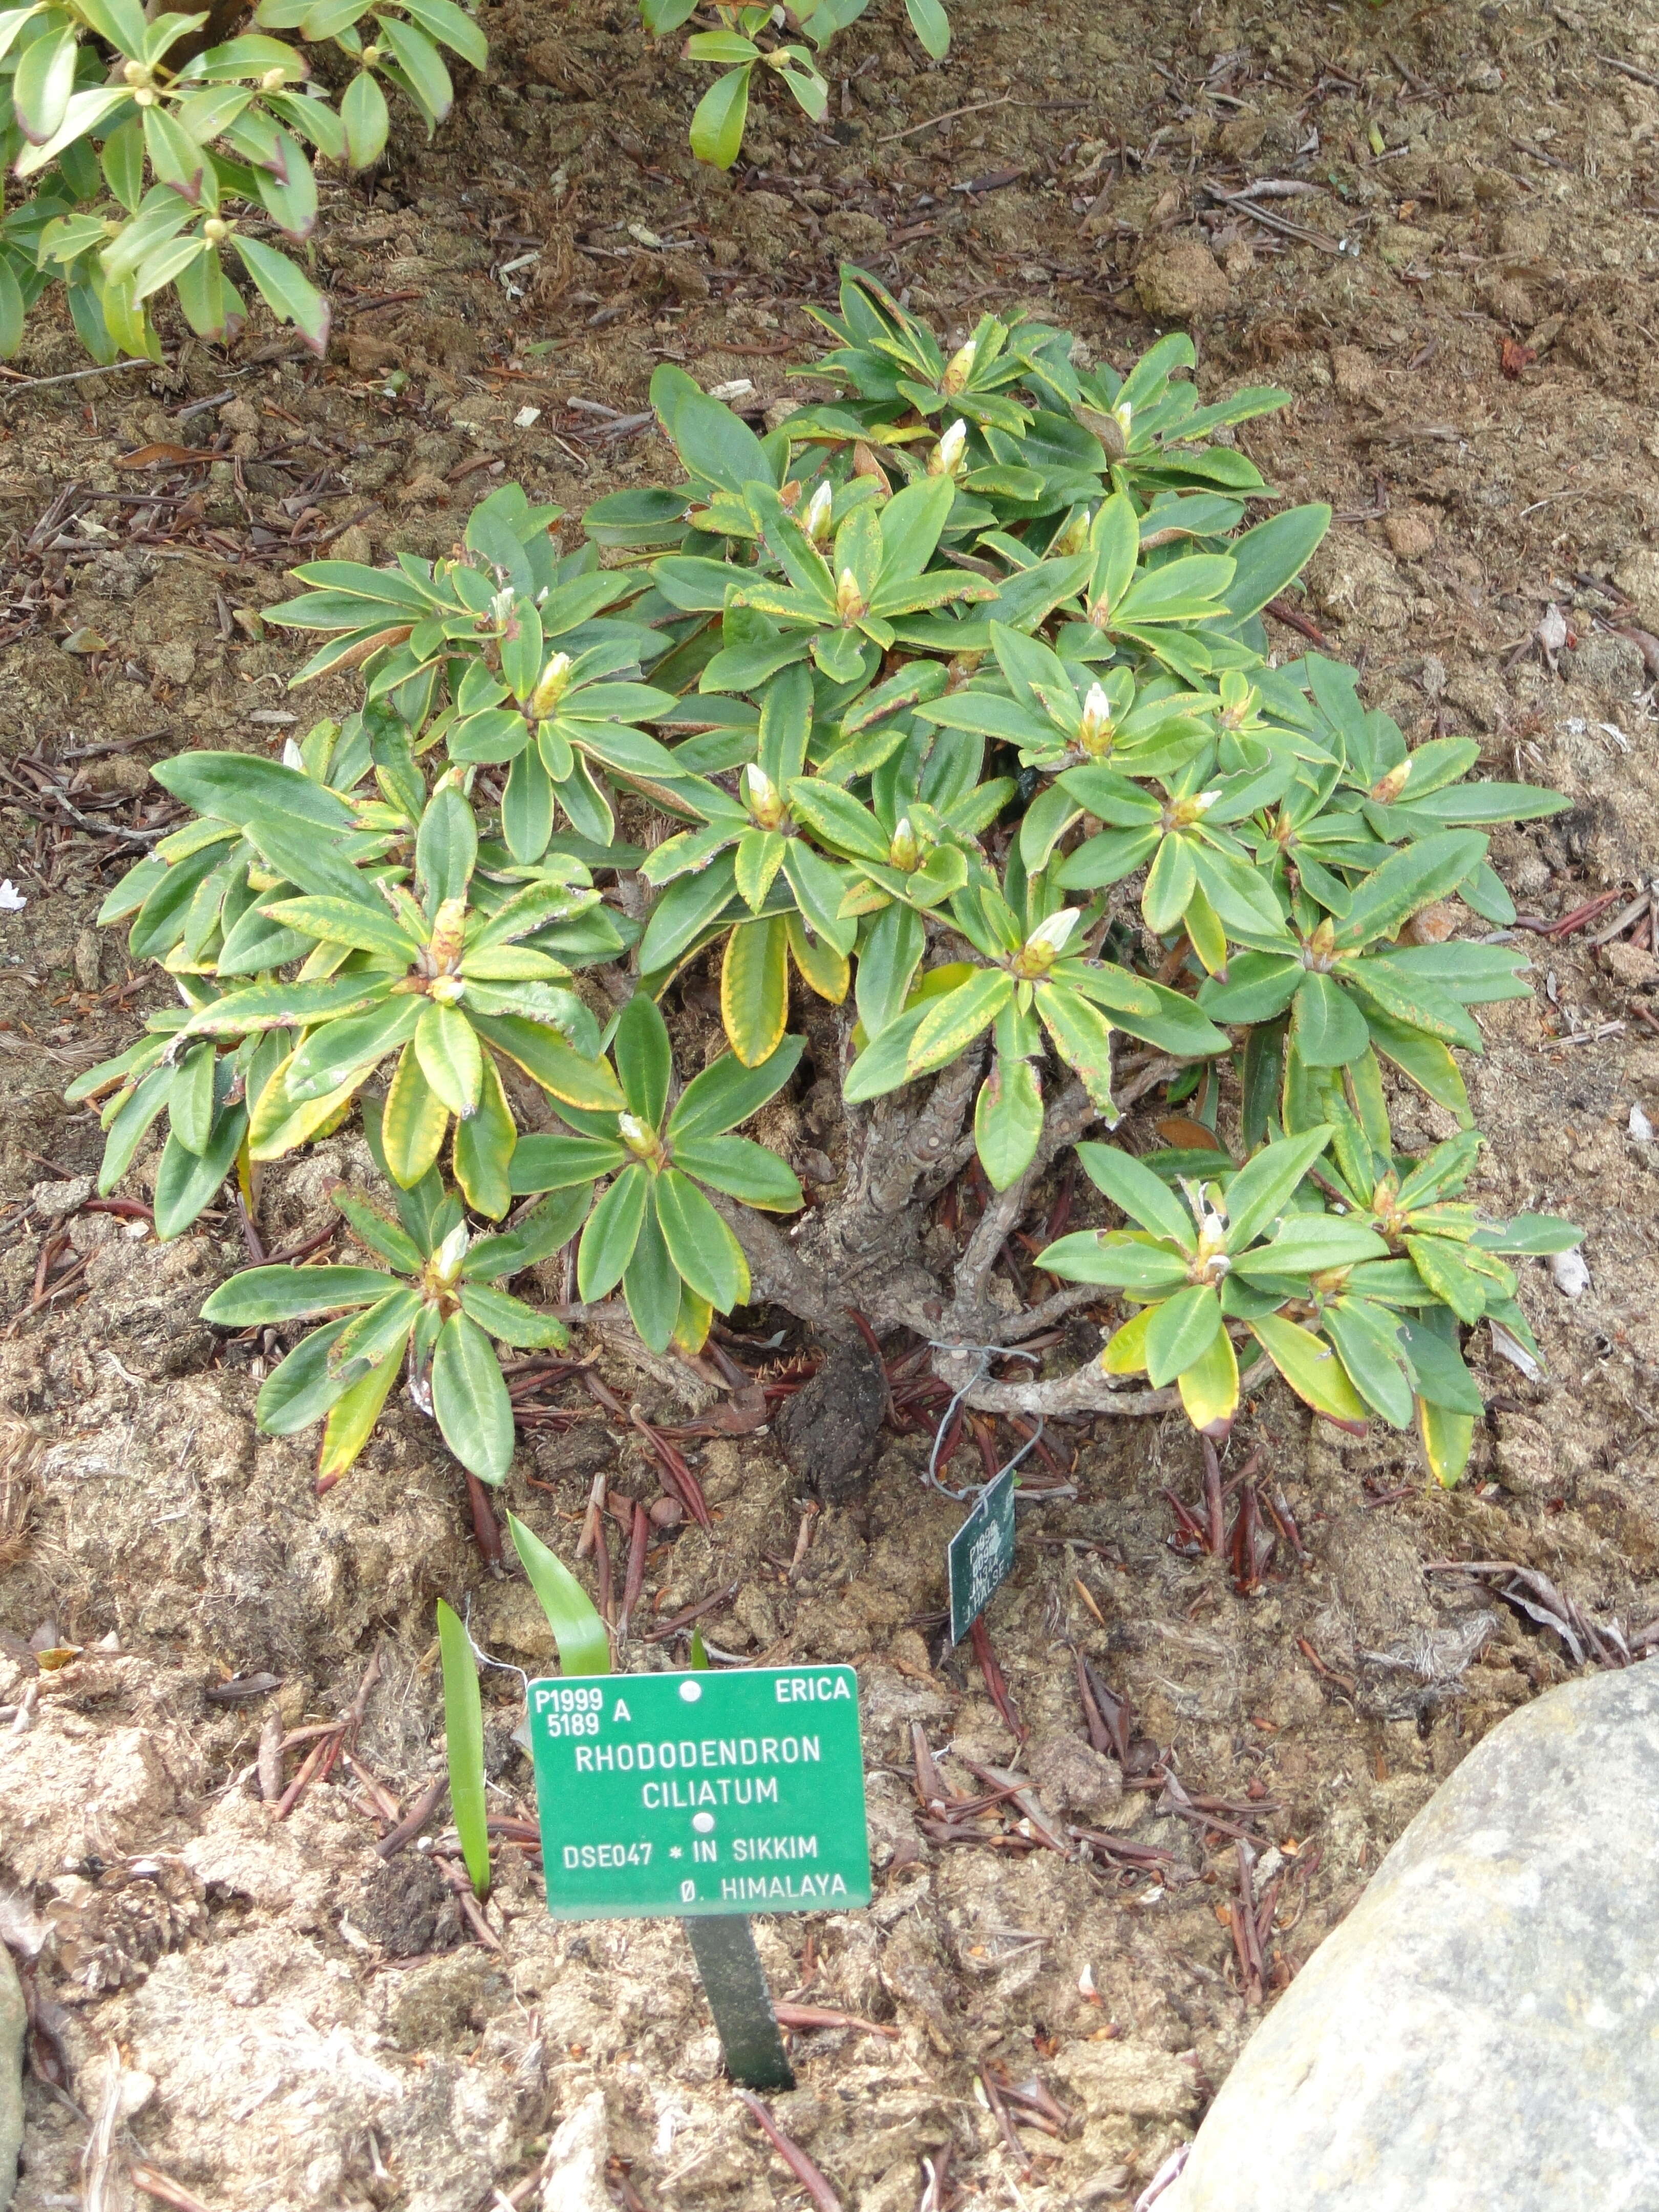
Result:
{"points": [[703, 1822], [691, 1692]]}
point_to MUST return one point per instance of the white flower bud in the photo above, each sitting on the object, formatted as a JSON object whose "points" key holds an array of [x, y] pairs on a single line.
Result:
{"points": [[447, 1260], [958, 369], [1051, 935], [761, 797], [555, 681], [816, 520], [948, 454]]}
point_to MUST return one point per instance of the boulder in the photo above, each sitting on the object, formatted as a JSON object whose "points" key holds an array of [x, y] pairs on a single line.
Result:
{"points": [[1482, 2031]]}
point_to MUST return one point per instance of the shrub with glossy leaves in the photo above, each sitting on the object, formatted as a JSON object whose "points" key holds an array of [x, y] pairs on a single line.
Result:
{"points": [[949, 702], [161, 152]]}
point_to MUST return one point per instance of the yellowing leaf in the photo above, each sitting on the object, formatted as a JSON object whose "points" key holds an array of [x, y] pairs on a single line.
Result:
{"points": [[413, 1124], [1125, 1353], [1209, 1387], [1312, 1369], [755, 989], [276, 1127], [822, 967], [1447, 1437], [352, 1418]]}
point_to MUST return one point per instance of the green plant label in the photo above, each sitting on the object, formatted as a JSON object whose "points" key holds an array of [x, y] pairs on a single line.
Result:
{"points": [[736, 1791], [981, 1555]]}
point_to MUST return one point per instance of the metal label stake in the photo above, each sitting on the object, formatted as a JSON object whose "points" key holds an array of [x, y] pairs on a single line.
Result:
{"points": [[723, 1949]]}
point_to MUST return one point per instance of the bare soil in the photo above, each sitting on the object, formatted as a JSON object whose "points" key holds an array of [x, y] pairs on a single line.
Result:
{"points": [[1459, 293]]}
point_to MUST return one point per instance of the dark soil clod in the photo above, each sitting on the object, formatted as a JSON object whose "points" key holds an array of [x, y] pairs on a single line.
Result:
{"points": [[829, 1428]]}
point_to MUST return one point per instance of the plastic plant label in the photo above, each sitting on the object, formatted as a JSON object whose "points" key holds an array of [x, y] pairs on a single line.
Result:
{"points": [[736, 1791], [981, 1555]]}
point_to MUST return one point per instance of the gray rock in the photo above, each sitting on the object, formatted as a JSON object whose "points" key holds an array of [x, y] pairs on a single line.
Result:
{"points": [[14, 2025], [1481, 2034]]}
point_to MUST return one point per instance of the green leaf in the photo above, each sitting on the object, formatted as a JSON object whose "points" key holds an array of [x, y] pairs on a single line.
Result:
{"points": [[956, 1019], [1368, 1339], [450, 1057], [1327, 1028], [612, 1231], [644, 1057], [176, 158], [704, 1250], [336, 1051], [715, 445], [1269, 556], [484, 1141], [726, 1093], [1258, 987], [290, 295], [1008, 1120], [1530, 1233], [446, 850], [363, 111], [1437, 1364], [685, 910], [1135, 1190], [887, 963], [1083, 1039], [453, 27], [1424, 1059], [383, 1330], [190, 1104], [345, 922], [930, 25], [1408, 882], [717, 126], [1448, 1438], [651, 1285], [538, 1235], [394, 1245], [1261, 1190], [131, 1124], [421, 63], [742, 1169], [187, 1180], [1209, 1385], [1308, 1244], [463, 1747], [511, 1322], [1117, 1262], [566, 1074], [12, 311], [584, 1647], [44, 81], [1181, 1331], [541, 1163], [241, 788], [261, 1295], [468, 1397], [1311, 1368], [305, 1386], [1448, 1276]]}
